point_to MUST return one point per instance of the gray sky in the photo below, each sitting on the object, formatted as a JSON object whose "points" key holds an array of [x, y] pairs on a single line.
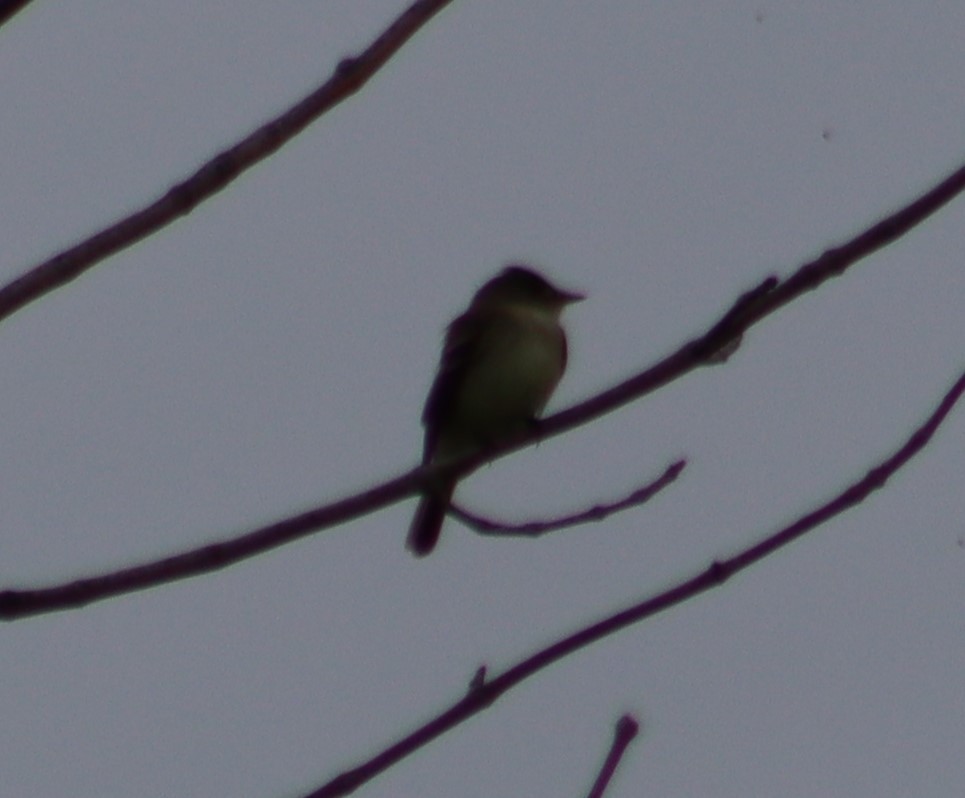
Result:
{"points": [[272, 351]]}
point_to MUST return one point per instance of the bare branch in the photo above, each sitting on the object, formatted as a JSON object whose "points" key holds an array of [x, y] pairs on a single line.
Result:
{"points": [[20, 603], [349, 76], [750, 308], [626, 729], [533, 529], [768, 297], [486, 693]]}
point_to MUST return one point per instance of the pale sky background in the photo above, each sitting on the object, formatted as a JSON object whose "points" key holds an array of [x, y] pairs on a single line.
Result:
{"points": [[272, 351]]}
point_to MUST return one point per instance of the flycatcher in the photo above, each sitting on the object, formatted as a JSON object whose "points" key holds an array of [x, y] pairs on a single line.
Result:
{"points": [[500, 362]]}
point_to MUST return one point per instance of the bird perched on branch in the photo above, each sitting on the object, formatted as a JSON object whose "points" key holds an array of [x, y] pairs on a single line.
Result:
{"points": [[501, 360]]}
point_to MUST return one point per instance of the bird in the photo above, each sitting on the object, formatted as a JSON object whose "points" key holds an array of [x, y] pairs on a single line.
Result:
{"points": [[501, 360]]}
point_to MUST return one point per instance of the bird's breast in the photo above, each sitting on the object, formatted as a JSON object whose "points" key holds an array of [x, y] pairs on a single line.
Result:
{"points": [[515, 369]]}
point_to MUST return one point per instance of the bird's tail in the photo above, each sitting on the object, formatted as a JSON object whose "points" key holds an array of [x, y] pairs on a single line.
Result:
{"points": [[427, 521]]}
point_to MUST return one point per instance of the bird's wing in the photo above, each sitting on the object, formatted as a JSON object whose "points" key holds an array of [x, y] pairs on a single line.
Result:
{"points": [[459, 352], [563, 351]]}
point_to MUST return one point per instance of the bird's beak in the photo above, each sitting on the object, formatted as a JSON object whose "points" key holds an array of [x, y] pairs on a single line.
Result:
{"points": [[569, 297]]}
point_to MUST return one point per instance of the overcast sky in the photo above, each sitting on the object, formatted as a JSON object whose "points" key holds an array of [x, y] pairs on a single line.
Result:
{"points": [[272, 351]]}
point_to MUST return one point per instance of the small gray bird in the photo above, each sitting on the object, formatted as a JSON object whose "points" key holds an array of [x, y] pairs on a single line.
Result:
{"points": [[501, 360]]}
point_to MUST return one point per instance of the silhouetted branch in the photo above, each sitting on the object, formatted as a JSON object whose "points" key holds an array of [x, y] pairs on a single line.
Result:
{"points": [[485, 693], [626, 729], [204, 559], [349, 76], [532, 529], [766, 298], [751, 307], [747, 310]]}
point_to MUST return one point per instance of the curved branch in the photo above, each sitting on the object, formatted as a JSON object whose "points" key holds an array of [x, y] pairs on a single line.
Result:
{"points": [[349, 76], [598, 512]]}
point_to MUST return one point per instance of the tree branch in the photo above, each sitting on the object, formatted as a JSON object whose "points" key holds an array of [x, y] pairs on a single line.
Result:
{"points": [[750, 308], [626, 729], [771, 295], [485, 693], [349, 76], [598, 512]]}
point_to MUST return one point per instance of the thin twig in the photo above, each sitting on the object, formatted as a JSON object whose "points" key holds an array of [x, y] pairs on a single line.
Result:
{"points": [[626, 729], [598, 512]]}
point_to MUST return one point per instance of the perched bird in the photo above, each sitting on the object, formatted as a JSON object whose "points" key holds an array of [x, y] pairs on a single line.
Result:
{"points": [[501, 360]]}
